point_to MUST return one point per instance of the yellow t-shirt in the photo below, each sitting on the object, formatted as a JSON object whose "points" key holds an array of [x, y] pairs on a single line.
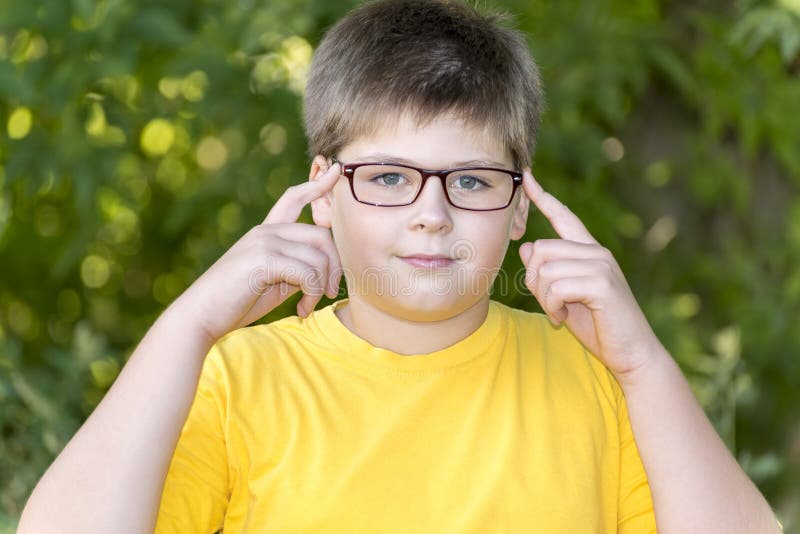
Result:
{"points": [[301, 426]]}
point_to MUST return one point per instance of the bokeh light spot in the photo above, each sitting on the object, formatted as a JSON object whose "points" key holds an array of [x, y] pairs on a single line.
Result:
{"points": [[95, 271], [685, 305], [157, 137], [660, 234], [613, 149], [19, 123], [171, 174], [658, 174], [193, 86], [273, 138], [169, 87], [211, 153]]}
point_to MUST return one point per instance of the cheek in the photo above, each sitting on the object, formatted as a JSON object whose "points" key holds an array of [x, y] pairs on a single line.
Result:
{"points": [[339, 223], [489, 236], [356, 230], [343, 212]]}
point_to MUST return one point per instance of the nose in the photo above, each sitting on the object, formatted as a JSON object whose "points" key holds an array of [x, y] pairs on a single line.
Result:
{"points": [[431, 210]]}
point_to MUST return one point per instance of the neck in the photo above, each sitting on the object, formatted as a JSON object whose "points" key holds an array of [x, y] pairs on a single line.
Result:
{"points": [[406, 337]]}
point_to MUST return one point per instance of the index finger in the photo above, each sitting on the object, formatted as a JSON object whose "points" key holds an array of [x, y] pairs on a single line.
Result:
{"points": [[288, 207], [566, 224]]}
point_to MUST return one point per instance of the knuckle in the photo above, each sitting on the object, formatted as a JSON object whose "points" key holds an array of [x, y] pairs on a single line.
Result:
{"points": [[545, 246], [258, 280], [257, 232], [321, 230], [313, 232], [324, 238], [268, 251], [292, 195], [553, 289], [606, 268], [604, 285], [530, 280], [312, 278], [265, 230], [321, 258], [536, 250], [287, 273], [294, 190]]}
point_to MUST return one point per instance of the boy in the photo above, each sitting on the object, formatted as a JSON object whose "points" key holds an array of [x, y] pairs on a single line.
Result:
{"points": [[417, 404]]}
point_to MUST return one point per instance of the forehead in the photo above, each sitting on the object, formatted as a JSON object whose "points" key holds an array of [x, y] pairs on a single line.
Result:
{"points": [[442, 142]]}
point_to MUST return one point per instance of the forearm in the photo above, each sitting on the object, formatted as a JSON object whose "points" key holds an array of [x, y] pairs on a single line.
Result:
{"points": [[110, 475], [696, 483]]}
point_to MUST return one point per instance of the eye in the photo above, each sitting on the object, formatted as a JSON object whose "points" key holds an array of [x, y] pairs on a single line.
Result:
{"points": [[389, 178], [469, 183]]}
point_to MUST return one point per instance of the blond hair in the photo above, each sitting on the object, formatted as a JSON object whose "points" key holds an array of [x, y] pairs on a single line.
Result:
{"points": [[428, 58]]}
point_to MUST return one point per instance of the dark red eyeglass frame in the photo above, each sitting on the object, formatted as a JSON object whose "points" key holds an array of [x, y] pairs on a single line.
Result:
{"points": [[349, 172]]}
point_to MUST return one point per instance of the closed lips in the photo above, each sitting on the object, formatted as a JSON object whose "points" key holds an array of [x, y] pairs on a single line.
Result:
{"points": [[428, 256]]}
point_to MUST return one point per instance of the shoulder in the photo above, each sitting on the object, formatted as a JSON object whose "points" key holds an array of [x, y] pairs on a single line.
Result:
{"points": [[561, 354], [519, 320], [535, 330], [258, 339], [259, 350]]}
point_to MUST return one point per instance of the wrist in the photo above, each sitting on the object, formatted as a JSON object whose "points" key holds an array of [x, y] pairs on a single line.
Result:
{"points": [[181, 316], [653, 362]]}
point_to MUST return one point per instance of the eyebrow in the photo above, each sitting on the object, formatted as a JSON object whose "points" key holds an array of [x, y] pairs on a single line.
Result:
{"points": [[389, 158]]}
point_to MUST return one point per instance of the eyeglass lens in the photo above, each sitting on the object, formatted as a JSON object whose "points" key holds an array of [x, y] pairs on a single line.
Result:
{"points": [[389, 185]]}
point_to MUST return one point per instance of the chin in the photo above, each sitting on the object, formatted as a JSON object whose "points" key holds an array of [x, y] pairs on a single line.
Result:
{"points": [[424, 307]]}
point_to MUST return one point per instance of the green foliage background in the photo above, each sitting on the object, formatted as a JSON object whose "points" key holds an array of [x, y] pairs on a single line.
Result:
{"points": [[139, 139]]}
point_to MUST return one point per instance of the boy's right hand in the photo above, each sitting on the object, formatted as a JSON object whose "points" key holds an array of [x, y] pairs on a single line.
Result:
{"points": [[267, 265]]}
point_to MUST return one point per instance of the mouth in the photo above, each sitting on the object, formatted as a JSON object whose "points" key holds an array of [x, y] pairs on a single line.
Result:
{"points": [[428, 261]]}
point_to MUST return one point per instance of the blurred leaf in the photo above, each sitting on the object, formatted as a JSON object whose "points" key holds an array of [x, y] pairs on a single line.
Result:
{"points": [[161, 131]]}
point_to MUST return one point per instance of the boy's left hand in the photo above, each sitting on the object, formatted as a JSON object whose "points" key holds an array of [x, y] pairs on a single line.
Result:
{"points": [[578, 282]]}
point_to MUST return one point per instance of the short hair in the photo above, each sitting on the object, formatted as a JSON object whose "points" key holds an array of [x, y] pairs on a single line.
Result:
{"points": [[427, 58]]}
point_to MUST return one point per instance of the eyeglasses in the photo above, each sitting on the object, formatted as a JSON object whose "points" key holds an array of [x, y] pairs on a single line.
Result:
{"points": [[394, 184]]}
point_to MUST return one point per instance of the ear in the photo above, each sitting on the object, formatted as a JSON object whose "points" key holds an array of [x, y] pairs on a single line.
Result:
{"points": [[321, 207], [520, 217]]}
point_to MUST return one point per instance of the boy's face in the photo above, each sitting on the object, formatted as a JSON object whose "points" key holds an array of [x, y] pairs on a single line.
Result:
{"points": [[372, 240]]}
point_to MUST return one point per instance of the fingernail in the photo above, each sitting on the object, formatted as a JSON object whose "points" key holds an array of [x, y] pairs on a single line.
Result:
{"points": [[333, 289]]}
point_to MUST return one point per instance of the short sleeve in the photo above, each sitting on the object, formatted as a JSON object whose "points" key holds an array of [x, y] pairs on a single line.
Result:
{"points": [[196, 489], [636, 514]]}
